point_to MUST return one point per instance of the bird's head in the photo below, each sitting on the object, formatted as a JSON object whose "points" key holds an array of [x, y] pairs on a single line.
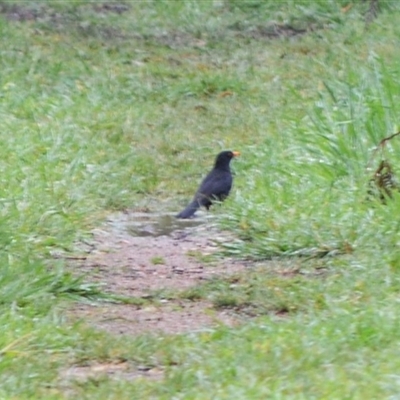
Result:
{"points": [[224, 158]]}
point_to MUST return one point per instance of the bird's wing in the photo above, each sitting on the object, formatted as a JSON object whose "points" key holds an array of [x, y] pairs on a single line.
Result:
{"points": [[216, 184]]}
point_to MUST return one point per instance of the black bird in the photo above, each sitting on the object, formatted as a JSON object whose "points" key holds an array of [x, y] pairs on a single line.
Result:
{"points": [[215, 186]]}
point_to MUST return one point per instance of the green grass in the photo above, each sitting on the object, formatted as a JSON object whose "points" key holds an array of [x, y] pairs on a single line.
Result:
{"points": [[157, 260], [101, 111]]}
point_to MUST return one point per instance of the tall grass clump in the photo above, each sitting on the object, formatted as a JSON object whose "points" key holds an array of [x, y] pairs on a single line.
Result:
{"points": [[307, 192]]}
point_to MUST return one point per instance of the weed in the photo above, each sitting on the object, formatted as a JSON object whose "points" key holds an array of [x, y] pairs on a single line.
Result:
{"points": [[157, 260]]}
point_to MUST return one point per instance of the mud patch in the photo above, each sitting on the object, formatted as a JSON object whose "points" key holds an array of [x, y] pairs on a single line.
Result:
{"points": [[144, 223]]}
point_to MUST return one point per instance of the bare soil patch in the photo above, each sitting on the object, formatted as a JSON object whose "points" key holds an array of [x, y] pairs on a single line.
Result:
{"points": [[139, 267], [34, 11], [15, 12], [274, 30], [170, 317], [117, 8], [76, 19], [117, 370]]}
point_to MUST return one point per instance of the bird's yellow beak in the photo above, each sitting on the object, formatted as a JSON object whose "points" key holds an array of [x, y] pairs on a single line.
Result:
{"points": [[235, 153]]}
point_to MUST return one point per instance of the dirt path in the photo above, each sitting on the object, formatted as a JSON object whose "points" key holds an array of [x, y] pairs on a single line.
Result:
{"points": [[139, 266]]}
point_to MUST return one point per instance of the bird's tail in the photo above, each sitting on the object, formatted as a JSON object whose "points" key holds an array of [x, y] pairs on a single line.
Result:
{"points": [[189, 210]]}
